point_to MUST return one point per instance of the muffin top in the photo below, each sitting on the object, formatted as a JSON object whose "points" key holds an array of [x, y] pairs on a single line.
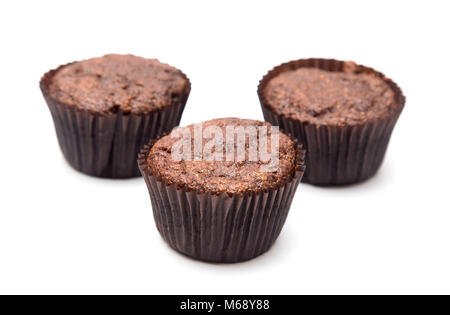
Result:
{"points": [[323, 97], [224, 175], [117, 82]]}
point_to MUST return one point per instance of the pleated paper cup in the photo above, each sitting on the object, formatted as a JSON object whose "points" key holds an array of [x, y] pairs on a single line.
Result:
{"points": [[224, 228], [336, 154], [107, 144]]}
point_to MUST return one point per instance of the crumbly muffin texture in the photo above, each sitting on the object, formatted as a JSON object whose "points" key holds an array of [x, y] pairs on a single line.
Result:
{"points": [[117, 82], [232, 177], [331, 98]]}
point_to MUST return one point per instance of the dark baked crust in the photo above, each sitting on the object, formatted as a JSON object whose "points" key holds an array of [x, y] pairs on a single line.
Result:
{"points": [[222, 176], [117, 82], [352, 95]]}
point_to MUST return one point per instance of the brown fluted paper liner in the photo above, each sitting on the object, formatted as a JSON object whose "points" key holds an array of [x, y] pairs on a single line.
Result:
{"points": [[107, 144], [335, 155], [219, 228]]}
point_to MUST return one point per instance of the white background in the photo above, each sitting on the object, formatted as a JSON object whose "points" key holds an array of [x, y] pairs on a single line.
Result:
{"points": [[65, 232]]}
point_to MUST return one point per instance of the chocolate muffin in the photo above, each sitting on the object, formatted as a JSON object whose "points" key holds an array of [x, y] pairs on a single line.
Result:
{"points": [[215, 204], [105, 109], [342, 112]]}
